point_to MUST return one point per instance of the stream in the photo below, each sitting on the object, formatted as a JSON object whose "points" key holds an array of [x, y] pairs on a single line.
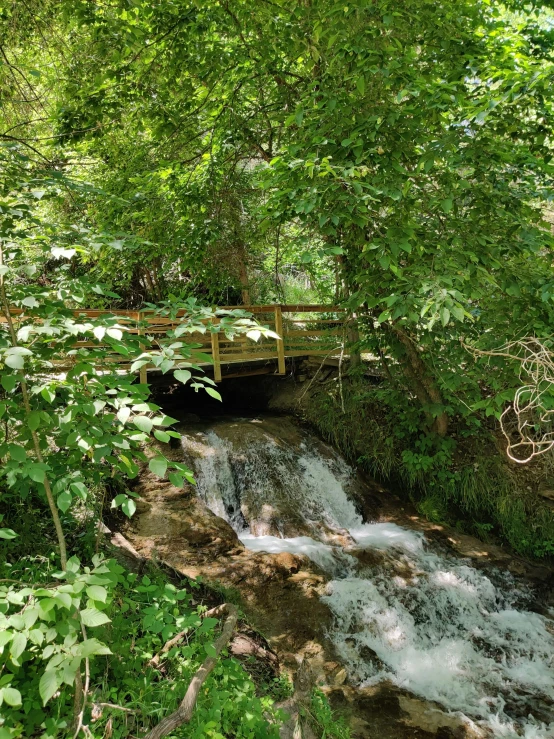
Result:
{"points": [[406, 611]]}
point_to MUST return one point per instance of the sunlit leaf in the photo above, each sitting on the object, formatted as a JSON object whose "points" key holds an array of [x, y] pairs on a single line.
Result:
{"points": [[48, 685], [158, 465], [93, 617], [143, 423]]}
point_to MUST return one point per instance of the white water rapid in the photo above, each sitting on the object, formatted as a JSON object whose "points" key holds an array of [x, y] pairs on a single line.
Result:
{"points": [[427, 621]]}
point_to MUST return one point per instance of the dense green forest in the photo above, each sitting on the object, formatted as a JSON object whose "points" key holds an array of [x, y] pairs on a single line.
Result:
{"points": [[393, 159]]}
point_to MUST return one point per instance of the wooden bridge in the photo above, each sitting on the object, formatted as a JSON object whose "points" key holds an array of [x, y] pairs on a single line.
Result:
{"points": [[304, 330]]}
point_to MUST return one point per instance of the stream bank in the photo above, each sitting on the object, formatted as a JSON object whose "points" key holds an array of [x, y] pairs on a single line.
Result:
{"points": [[465, 480], [279, 523]]}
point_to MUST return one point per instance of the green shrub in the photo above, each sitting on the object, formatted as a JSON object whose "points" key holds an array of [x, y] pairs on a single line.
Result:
{"points": [[136, 616], [323, 720], [460, 480]]}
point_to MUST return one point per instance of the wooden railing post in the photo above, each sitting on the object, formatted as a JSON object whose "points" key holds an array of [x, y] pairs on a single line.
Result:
{"points": [[215, 356], [280, 342], [143, 372], [353, 338]]}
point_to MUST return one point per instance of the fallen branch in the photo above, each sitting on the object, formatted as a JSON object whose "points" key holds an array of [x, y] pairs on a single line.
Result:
{"points": [[184, 713], [156, 659], [97, 711]]}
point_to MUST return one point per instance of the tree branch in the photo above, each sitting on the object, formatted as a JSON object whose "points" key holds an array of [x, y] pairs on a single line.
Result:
{"points": [[36, 443], [184, 713]]}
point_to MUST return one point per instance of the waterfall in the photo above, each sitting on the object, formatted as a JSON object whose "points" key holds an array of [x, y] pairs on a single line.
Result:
{"points": [[424, 620]]}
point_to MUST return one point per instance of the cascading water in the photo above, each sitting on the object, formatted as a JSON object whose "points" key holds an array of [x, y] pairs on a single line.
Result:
{"points": [[423, 620]]}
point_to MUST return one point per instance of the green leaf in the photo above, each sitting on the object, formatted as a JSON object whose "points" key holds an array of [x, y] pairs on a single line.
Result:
{"points": [[118, 500], [49, 683], [138, 363], [7, 534], [19, 642], [164, 420], [79, 489], [446, 205], [208, 624], [17, 452], [92, 646], [9, 382], [37, 473], [36, 636], [213, 393], [15, 361], [143, 423], [93, 617], [73, 564], [63, 599], [145, 407], [69, 670], [445, 316], [175, 479], [457, 312], [128, 507], [29, 616], [123, 414], [97, 592], [162, 435], [210, 650], [48, 394], [360, 85], [158, 465], [64, 501], [182, 375], [12, 696], [60, 251]]}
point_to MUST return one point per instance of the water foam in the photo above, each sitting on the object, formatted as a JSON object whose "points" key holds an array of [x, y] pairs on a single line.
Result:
{"points": [[387, 536], [430, 623], [330, 559], [446, 633]]}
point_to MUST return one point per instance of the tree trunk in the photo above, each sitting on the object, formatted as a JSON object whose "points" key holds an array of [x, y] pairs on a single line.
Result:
{"points": [[353, 337], [184, 712], [243, 275], [424, 386], [342, 291]]}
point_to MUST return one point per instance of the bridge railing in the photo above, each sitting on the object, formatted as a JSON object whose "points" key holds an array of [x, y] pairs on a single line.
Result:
{"points": [[304, 330]]}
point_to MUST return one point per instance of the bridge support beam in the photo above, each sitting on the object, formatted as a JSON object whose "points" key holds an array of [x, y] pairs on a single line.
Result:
{"points": [[143, 372], [281, 341], [215, 357]]}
